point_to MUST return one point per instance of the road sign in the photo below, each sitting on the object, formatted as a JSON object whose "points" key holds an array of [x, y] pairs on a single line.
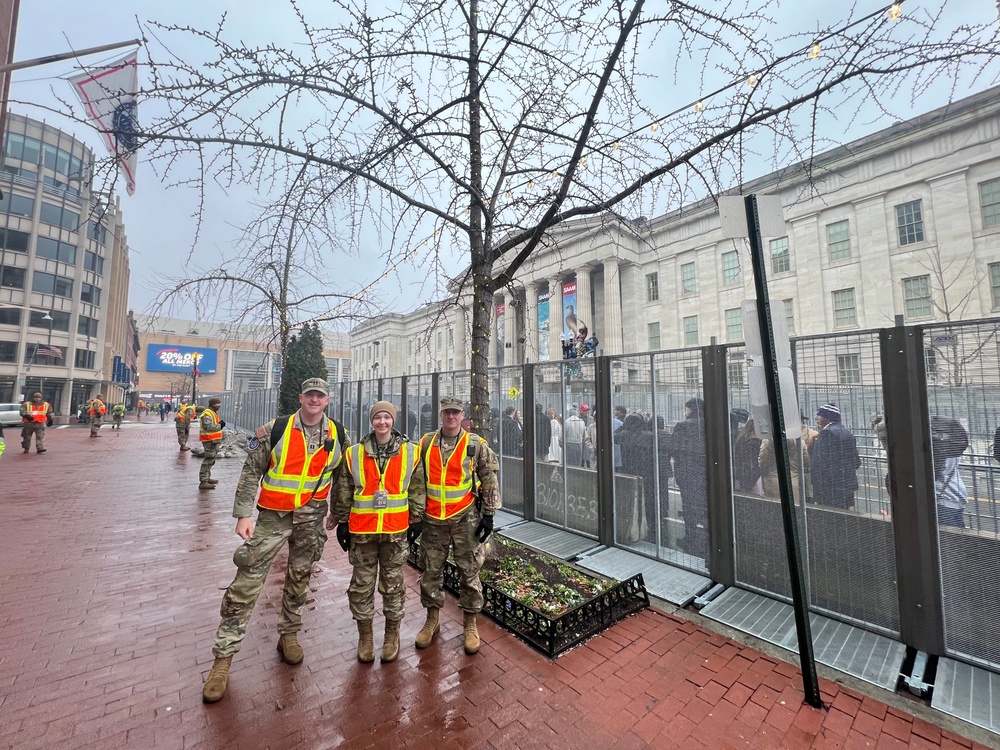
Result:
{"points": [[513, 393]]}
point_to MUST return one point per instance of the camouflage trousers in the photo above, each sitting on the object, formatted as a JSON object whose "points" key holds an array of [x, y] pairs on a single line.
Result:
{"points": [[117, 418], [95, 424], [211, 452], [33, 428], [183, 432], [304, 532], [435, 541], [377, 557]]}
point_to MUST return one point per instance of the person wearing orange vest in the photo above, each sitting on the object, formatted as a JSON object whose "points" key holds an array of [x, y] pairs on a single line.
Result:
{"points": [[97, 410], [182, 423], [458, 465], [210, 435], [376, 515], [291, 467], [34, 418]]}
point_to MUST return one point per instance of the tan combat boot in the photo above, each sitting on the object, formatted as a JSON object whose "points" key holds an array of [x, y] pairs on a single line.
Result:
{"points": [[471, 633], [390, 649], [206, 486], [212, 481], [289, 648], [218, 678], [430, 628], [366, 644]]}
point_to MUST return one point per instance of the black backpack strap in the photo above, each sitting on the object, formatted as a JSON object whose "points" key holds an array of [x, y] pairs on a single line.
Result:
{"points": [[278, 429]]}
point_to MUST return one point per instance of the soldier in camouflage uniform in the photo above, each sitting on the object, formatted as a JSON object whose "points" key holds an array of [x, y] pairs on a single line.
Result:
{"points": [[210, 436], [97, 410], [377, 513], [182, 424], [455, 518], [291, 508]]}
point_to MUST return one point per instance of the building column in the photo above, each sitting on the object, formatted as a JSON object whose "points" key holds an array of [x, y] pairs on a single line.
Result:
{"points": [[462, 347], [584, 307], [555, 319], [612, 338], [511, 355], [531, 291]]}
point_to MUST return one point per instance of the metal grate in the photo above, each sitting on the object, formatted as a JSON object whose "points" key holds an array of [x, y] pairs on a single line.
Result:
{"points": [[556, 542], [967, 692], [671, 584]]}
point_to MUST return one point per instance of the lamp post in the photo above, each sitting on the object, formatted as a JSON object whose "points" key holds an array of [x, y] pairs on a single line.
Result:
{"points": [[41, 384], [194, 378]]}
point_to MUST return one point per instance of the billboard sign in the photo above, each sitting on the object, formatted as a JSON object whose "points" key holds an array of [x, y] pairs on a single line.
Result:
{"points": [[173, 358]]}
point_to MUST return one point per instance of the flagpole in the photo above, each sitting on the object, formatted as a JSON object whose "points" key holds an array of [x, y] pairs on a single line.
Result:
{"points": [[35, 62]]}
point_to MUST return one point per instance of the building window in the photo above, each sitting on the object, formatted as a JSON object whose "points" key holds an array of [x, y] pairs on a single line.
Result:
{"points": [[691, 330], [90, 293], [41, 358], [97, 232], [14, 240], [653, 336], [848, 369], [59, 322], [789, 316], [989, 199], [845, 313], [12, 278], [909, 223], [86, 326], [345, 369], [734, 325], [917, 297], [93, 262], [735, 372], [995, 284], [838, 240], [60, 216], [930, 363], [730, 268], [438, 340], [8, 351], [9, 317], [652, 287], [692, 376], [53, 250], [689, 280], [84, 359], [451, 337], [17, 205], [409, 347], [781, 261], [49, 283]]}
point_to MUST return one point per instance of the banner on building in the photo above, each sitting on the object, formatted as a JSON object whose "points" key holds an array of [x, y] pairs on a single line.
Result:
{"points": [[172, 358], [498, 333], [569, 310], [108, 94], [543, 327]]}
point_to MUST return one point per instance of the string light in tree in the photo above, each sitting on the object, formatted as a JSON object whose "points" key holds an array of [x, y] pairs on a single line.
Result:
{"points": [[814, 51], [752, 80], [895, 12], [699, 107]]}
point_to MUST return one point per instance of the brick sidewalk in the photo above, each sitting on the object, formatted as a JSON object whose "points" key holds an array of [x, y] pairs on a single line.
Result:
{"points": [[113, 569]]}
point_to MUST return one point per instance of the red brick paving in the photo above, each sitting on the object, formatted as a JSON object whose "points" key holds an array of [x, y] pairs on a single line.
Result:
{"points": [[113, 569]]}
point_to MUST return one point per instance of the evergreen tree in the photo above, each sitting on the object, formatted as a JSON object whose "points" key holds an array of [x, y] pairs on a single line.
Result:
{"points": [[304, 360]]}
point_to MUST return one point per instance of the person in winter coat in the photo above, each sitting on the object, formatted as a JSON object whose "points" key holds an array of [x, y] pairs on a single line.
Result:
{"points": [[746, 460], [639, 459], [543, 434], [690, 473]]}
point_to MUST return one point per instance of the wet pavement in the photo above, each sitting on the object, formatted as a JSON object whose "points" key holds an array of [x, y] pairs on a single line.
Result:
{"points": [[113, 565]]}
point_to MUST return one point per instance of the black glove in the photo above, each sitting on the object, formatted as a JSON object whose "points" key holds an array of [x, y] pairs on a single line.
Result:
{"points": [[344, 536], [413, 533], [222, 424], [484, 529]]}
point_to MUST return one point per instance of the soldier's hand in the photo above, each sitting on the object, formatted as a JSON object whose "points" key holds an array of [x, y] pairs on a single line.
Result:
{"points": [[244, 528], [331, 521], [413, 533], [484, 529], [344, 536], [222, 424]]}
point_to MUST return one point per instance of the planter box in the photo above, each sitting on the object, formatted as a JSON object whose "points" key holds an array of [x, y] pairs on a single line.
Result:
{"points": [[552, 635]]}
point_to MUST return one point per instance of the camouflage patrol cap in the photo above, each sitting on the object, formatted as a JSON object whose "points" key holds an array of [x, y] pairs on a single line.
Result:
{"points": [[449, 403], [315, 384]]}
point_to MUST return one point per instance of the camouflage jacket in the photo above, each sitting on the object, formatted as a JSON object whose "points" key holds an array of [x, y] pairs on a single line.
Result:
{"points": [[416, 491], [484, 462]]}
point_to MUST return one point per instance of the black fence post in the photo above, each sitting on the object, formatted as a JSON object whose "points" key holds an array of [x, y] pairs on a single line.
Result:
{"points": [[721, 562], [911, 479], [435, 403], [528, 415], [403, 409], [605, 453]]}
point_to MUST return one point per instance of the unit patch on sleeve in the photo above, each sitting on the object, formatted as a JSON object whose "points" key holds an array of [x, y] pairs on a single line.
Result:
{"points": [[253, 443]]}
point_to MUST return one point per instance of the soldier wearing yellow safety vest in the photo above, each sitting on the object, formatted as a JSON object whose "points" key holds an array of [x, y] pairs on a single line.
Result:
{"points": [[293, 462], [182, 423], [210, 435], [376, 514], [457, 466]]}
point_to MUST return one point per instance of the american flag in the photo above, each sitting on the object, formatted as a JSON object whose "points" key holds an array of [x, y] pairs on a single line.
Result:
{"points": [[47, 350]]}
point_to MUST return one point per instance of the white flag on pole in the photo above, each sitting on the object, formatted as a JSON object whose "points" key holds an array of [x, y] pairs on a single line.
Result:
{"points": [[108, 95]]}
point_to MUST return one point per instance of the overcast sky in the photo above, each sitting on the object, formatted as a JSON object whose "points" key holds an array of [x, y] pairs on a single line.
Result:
{"points": [[159, 220]]}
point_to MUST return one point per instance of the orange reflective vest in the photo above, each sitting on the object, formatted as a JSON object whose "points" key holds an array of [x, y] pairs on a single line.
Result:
{"points": [[295, 476], [395, 480], [185, 413], [36, 412], [449, 487], [97, 407], [212, 430]]}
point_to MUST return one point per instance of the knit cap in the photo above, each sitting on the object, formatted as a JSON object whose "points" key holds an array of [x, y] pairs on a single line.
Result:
{"points": [[829, 411], [383, 406]]}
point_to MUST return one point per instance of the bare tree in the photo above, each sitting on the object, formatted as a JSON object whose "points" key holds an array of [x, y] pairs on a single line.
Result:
{"points": [[478, 127]]}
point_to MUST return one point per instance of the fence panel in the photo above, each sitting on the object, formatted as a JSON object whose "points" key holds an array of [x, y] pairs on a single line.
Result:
{"points": [[506, 435]]}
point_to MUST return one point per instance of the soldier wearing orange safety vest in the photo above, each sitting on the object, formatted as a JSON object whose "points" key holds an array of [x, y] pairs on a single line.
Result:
{"points": [[182, 424], [210, 435], [97, 410], [34, 416], [376, 515], [458, 465], [291, 466]]}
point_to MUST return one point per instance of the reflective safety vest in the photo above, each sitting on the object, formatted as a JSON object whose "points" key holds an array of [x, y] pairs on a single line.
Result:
{"points": [[118, 410], [449, 487], [214, 429], [36, 412], [97, 407], [294, 474], [185, 413], [395, 480]]}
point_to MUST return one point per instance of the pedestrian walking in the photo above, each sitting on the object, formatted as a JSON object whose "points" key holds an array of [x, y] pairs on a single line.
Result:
{"points": [[182, 424], [117, 415], [35, 416], [377, 511], [210, 435], [293, 462], [456, 462], [835, 460], [96, 410]]}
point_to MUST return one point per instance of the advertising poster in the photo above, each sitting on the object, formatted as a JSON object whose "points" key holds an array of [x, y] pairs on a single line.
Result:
{"points": [[569, 310], [498, 333], [543, 327], [173, 358]]}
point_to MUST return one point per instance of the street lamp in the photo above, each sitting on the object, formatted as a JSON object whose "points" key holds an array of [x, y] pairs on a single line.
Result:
{"points": [[194, 378], [41, 383]]}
